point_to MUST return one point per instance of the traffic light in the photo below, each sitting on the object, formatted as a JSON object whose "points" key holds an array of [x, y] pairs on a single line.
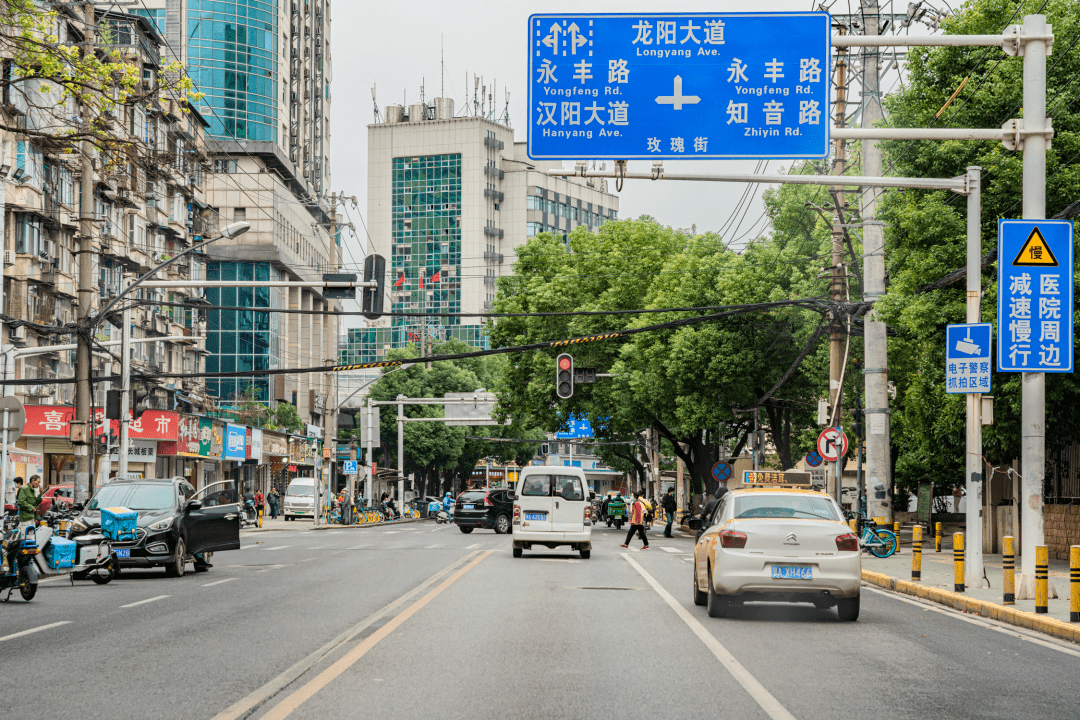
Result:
{"points": [[140, 403], [112, 405], [857, 419], [564, 376], [374, 270]]}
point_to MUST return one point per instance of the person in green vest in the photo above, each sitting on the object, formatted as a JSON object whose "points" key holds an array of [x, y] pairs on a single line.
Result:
{"points": [[28, 501]]}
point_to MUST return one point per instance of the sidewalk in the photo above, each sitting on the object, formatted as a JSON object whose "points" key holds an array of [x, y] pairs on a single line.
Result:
{"points": [[302, 524], [894, 573]]}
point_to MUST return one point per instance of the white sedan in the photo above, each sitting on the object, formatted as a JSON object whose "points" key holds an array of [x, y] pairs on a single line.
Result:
{"points": [[777, 545]]}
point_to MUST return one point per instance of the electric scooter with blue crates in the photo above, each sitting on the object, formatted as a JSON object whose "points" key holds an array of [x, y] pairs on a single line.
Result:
{"points": [[19, 550]]}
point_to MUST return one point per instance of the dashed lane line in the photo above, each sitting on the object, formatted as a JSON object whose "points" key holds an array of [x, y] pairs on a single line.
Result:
{"points": [[219, 582], [31, 631], [436, 545], [148, 600], [755, 689], [278, 547], [473, 546], [671, 550]]}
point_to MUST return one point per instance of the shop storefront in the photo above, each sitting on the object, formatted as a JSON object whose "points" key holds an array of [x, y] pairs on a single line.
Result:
{"points": [[211, 445], [275, 457]]}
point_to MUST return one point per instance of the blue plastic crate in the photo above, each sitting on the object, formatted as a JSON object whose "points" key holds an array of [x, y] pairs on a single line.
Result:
{"points": [[119, 523], [60, 553]]}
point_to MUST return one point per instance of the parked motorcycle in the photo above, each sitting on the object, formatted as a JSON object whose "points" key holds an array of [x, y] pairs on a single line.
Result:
{"points": [[18, 550], [616, 513], [248, 514]]}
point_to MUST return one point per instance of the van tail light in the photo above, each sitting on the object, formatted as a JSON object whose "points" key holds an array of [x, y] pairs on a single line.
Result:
{"points": [[733, 539], [517, 513], [588, 512], [847, 542]]}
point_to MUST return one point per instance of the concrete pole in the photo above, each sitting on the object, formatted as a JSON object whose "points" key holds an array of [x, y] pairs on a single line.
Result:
{"points": [[86, 290], [401, 448], [876, 371], [836, 285], [125, 390], [368, 441], [352, 477], [757, 438], [1033, 393], [973, 463]]}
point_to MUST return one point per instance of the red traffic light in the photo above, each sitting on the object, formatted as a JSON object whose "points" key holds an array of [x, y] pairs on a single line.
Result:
{"points": [[564, 363]]}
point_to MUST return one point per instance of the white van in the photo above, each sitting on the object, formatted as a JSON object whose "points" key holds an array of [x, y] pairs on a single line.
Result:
{"points": [[551, 508], [299, 499]]}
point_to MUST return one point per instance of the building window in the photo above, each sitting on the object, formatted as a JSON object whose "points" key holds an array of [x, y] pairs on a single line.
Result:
{"points": [[225, 166], [27, 234], [239, 214]]}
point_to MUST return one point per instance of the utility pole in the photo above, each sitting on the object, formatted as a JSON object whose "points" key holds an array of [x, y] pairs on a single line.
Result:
{"points": [[1033, 385], [125, 390], [973, 540], [837, 335], [83, 357], [876, 370]]}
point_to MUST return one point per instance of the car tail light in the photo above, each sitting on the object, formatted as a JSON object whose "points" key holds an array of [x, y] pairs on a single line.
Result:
{"points": [[847, 542], [733, 539], [487, 499]]}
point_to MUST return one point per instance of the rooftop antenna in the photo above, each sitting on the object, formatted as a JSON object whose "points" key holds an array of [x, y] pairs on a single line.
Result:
{"points": [[506, 109], [442, 67], [375, 103], [421, 91], [476, 88]]}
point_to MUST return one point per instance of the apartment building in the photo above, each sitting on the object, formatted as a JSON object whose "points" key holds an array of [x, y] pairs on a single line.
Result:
{"points": [[449, 199]]}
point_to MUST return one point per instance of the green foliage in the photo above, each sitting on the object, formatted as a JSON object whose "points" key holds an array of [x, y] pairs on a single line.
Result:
{"points": [[287, 419], [926, 233]]}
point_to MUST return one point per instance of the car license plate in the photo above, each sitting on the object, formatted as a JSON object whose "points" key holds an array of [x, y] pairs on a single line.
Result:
{"points": [[792, 572], [123, 553], [468, 507], [536, 516]]}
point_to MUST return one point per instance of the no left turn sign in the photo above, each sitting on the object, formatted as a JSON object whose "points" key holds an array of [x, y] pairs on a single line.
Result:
{"points": [[832, 444]]}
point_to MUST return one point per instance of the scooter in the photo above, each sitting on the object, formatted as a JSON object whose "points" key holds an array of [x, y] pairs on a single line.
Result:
{"points": [[18, 550], [248, 514]]}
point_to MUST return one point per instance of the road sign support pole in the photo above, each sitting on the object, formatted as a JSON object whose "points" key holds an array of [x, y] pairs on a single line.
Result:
{"points": [[1033, 385], [401, 450], [973, 463], [4, 463], [368, 457]]}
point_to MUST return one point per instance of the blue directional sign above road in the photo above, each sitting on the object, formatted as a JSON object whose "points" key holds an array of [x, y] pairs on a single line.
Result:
{"points": [[670, 85], [579, 428], [968, 357], [1035, 296]]}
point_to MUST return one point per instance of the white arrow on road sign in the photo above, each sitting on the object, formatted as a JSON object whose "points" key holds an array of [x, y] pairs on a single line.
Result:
{"points": [[832, 444], [677, 99]]}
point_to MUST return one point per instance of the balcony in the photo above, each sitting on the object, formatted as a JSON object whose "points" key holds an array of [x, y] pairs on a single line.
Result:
{"points": [[490, 256], [494, 172], [491, 280], [493, 232], [492, 142], [496, 195]]}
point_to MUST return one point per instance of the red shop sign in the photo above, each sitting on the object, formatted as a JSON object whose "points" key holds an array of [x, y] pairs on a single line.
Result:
{"points": [[55, 421]]}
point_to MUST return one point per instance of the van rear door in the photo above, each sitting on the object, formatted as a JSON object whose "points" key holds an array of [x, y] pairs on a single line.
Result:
{"points": [[534, 499], [568, 499]]}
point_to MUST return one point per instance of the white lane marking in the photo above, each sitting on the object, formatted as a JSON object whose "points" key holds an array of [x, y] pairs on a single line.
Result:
{"points": [[756, 690], [218, 582], [272, 567], [1022, 633], [148, 600], [565, 560], [319, 547], [473, 546], [671, 550], [434, 530], [278, 547], [436, 545], [31, 631], [391, 532], [358, 547]]}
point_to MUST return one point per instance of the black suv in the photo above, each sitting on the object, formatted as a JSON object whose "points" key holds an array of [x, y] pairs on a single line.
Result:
{"points": [[491, 509], [174, 523]]}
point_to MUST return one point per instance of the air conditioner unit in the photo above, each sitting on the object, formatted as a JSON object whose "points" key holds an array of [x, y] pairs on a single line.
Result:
{"points": [[41, 391], [18, 334], [9, 258]]}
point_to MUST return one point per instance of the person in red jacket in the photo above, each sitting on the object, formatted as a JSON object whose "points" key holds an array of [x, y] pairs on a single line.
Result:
{"points": [[637, 522]]}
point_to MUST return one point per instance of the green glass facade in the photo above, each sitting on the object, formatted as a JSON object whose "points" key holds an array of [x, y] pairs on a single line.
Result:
{"points": [[239, 340], [233, 58]]}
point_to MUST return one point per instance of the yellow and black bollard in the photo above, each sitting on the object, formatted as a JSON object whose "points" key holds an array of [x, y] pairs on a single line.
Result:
{"points": [[854, 525], [1008, 564], [958, 561], [896, 531], [1074, 583], [916, 552], [1042, 581], [260, 518], [937, 537]]}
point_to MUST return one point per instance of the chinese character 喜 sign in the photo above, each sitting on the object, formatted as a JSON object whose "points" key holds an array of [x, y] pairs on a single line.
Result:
{"points": [[1035, 296], [691, 85]]}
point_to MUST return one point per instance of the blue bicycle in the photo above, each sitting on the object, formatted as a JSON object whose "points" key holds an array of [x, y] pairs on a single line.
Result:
{"points": [[879, 541]]}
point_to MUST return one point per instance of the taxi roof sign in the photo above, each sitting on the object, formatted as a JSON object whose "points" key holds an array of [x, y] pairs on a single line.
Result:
{"points": [[789, 478]]}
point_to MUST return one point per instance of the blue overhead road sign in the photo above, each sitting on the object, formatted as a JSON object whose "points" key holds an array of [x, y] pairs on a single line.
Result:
{"points": [[1035, 296], [968, 357], [579, 428], [670, 85]]}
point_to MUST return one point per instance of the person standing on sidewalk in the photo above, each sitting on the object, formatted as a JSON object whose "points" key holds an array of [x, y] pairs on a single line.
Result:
{"points": [[670, 508], [259, 502], [28, 501], [272, 499], [637, 522]]}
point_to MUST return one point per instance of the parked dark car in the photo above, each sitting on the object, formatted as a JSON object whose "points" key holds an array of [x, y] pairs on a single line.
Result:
{"points": [[174, 524], [489, 509]]}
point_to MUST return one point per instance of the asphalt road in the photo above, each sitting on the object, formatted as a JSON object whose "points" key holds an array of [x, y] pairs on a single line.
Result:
{"points": [[418, 620]]}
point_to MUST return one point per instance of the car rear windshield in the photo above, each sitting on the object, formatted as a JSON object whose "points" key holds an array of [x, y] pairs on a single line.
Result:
{"points": [[305, 490], [784, 506], [567, 487], [536, 486], [472, 496], [135, 497]]}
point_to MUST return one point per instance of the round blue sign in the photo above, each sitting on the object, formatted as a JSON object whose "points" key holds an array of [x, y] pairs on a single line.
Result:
{"points": [[813, 458], [721, 471]]}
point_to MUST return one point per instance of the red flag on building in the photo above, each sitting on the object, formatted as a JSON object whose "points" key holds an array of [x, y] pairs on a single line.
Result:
{"points": [[421, 282], [400, 280], [435, 277]]}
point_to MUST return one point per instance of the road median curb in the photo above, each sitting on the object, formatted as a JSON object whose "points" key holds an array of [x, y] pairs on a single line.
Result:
{"points": [[983, 608], [403, 521]]}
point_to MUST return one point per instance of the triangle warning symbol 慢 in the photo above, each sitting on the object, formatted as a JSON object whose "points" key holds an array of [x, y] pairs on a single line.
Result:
{"points": [[1035, 251]]}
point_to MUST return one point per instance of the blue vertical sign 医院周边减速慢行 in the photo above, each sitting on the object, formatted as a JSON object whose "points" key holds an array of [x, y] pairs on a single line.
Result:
{"points": [[967, 357], [1035, 296], [679, 85]]}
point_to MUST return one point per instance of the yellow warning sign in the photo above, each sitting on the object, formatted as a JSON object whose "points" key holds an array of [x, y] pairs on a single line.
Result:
{"points": [[1035, 252]]}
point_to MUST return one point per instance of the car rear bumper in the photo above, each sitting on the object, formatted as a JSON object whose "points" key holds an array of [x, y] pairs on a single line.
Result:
{"points": [[737, 573], [298, 511], [554, 537], [478, 521]]}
